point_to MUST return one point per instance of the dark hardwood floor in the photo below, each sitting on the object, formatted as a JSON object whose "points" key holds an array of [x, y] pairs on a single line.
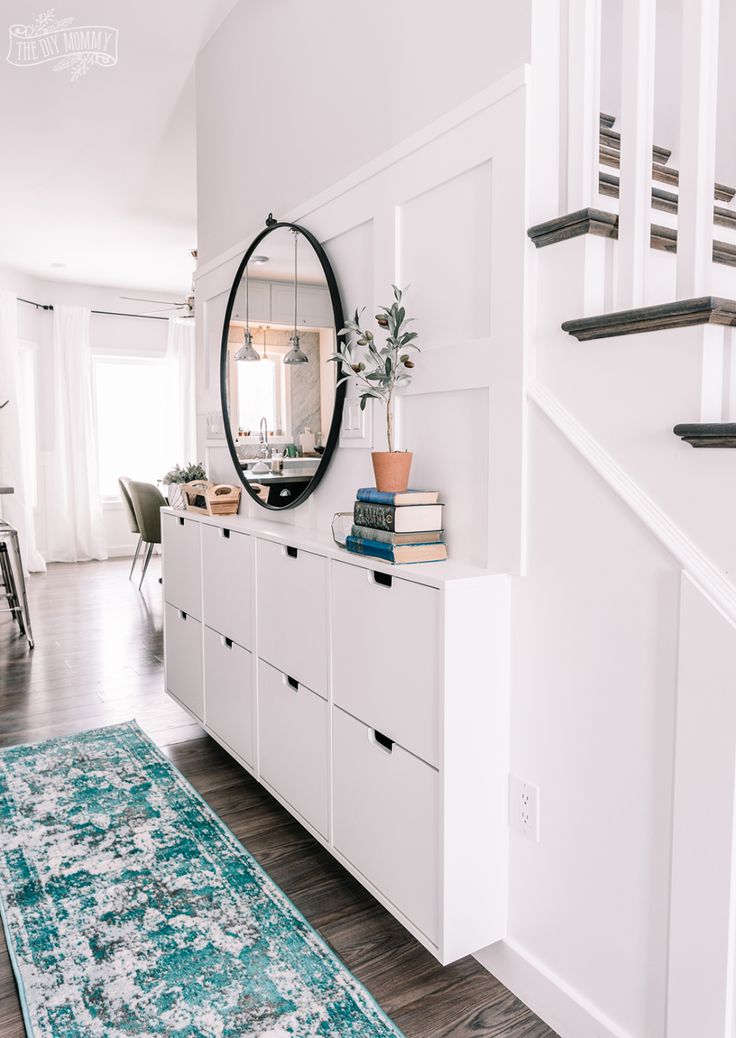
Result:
{"points": [[98, 660]]}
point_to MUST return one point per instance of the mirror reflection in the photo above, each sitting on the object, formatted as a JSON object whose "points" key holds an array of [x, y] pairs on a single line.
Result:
{"points": [[280, 389]]}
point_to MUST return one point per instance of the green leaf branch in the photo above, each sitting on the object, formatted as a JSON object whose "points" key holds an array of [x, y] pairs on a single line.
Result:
{"points": [[378, 371]]}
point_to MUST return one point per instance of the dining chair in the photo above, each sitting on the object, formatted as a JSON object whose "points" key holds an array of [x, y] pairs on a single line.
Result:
{"points": [[147, 504], [123, 484], [12, 580]]}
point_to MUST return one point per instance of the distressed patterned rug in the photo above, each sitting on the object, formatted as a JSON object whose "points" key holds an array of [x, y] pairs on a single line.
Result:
{"points": [[131, 909]]}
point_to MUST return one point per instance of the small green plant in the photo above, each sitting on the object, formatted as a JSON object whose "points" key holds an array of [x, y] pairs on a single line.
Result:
{"points": [[185, 474], [378, 370]]}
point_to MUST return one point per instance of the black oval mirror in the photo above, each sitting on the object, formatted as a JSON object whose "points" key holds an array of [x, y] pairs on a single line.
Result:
{"points": [[281, 404]]}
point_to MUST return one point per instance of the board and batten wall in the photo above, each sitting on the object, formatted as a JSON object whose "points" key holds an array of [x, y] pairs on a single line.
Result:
{"points": [[426, 214], [620, 920]]}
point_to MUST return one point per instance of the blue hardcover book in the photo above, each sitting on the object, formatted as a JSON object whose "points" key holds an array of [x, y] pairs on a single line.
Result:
{"points": [[406, 497], [397, 553]]}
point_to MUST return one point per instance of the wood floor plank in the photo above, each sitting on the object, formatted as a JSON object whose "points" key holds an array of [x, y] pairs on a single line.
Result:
{"points": [[98, 661]]}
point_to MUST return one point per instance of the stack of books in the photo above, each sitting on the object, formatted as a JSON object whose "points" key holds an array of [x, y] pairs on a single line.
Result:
{"points": [[399, 528]]}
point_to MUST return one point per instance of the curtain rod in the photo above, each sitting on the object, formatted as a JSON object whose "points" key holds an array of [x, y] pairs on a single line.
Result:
{"points": [[108, 313]]}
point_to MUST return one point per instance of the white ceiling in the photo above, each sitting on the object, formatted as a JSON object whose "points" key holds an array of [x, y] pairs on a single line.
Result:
{"points": [[99, 174]]}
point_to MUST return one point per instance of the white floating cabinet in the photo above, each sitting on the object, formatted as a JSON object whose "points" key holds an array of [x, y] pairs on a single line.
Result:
{"points": [[183, 659], [293, 737], [227, 598], [231, 708], [371, 700]]}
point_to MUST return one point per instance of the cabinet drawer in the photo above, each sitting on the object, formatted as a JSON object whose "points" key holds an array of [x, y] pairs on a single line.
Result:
{"points": [[183, 656], [393, 684], [292, 613], [182, 564], [227, 579], [385, 819], [229, 703], [293, 744]]}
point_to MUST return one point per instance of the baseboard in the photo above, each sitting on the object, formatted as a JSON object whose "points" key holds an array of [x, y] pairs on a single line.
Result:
{"points": [[561, 1007], [126, 551]]}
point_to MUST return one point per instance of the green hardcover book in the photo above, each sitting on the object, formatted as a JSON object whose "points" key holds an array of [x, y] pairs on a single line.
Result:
{"points": [[398, 518]]}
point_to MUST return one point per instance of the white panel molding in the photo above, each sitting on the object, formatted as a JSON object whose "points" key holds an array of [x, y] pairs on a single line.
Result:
{"points": [[490, 130], [455, 117], [568, 1012], [679, 545], [703, 881]]}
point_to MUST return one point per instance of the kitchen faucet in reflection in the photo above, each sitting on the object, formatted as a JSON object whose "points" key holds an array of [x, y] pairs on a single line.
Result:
{"points": [[264, 451]]}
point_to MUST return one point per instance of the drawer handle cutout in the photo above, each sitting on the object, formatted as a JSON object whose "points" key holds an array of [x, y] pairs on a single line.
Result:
{"points": [[227, 642], [292, 552], [384, 579], [382, 740], [225, 533], [292, 682], [180, 521], [182, 615]]}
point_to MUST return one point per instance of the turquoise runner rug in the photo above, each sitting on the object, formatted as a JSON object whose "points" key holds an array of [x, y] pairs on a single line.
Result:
{"points": [[130, 909]]}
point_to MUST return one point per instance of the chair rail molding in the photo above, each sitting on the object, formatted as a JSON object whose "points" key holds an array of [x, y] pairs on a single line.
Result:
{"points": [[698, 566]]}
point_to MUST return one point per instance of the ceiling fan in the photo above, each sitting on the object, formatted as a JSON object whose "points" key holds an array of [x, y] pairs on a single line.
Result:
{"points": [[187, 305]]}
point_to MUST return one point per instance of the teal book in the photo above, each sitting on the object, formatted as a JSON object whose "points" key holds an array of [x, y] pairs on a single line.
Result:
{"points": [[400, 554], [405, 497]]}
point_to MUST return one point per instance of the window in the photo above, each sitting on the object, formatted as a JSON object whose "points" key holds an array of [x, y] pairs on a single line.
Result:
{"points": [[131, 420], [263, 392]]}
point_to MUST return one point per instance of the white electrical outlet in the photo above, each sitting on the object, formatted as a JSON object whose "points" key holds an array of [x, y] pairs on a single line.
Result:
{"points": [[524, 808]]}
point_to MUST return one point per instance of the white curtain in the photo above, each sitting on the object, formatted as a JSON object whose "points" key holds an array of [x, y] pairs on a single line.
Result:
{"points": [[181, 403], [17, 508], [73, 505]]}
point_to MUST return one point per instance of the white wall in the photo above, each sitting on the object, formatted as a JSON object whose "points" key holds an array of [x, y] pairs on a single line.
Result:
{"points": [[291, 96]]}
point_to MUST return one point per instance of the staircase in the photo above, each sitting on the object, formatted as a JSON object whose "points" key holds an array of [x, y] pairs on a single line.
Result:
{"points": [[680, 313]]}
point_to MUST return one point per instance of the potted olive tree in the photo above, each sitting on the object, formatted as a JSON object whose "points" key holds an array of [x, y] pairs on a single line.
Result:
{"points": [[378, 372]]}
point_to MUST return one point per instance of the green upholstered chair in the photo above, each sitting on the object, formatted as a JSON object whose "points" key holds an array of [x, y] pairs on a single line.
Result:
{"points": [[147, 504], [123, 483]]}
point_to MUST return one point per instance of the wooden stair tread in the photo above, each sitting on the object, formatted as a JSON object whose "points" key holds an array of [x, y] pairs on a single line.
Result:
{"points": [[611, 139], [604, 224], [707, 434], [610, 148], [666, 201], [660, 171], [682, 313]]}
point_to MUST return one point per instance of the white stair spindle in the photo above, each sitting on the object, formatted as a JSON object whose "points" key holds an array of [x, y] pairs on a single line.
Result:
{"points": [[583, 102], [637, 122], [698, 101]]}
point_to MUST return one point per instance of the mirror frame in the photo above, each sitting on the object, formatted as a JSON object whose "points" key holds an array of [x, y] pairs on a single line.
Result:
{"points": [[334, 433]]}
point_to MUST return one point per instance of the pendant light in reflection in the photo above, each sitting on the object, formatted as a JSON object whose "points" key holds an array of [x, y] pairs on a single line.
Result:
{"points": [[295, 355], [246, 351]]}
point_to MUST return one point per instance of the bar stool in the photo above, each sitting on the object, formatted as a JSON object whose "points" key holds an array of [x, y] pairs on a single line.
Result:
{"points": [[13, 581]]}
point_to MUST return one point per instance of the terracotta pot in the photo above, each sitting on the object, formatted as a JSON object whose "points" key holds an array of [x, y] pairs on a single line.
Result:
{"points": [[392, 470]]}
